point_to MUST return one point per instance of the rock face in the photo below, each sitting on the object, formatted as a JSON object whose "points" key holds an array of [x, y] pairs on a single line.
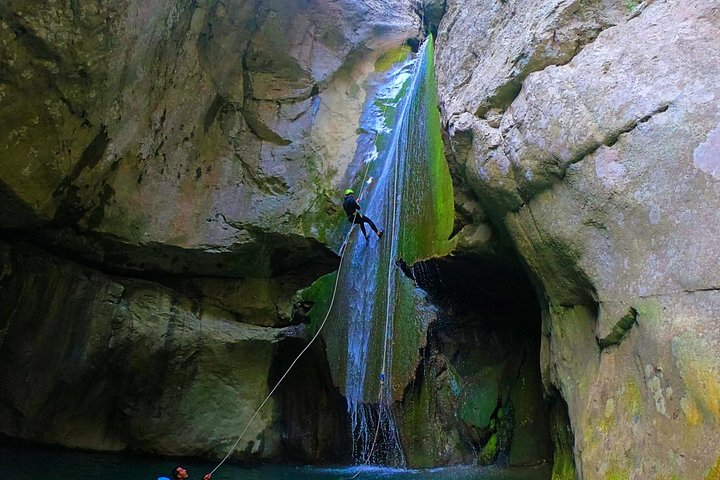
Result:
{"points": [[111, 363], [168, 179], [169, 368], [187, 156], [201, 127], [589, 132]]}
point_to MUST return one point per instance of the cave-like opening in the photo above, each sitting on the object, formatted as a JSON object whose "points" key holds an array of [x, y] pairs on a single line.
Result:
{"points": [[312, 413], [479, 387]]}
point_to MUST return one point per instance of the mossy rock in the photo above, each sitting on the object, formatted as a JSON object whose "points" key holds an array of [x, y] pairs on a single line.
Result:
{"points": [[490, 450], [714, 472], [479, 403], [391, 57]]}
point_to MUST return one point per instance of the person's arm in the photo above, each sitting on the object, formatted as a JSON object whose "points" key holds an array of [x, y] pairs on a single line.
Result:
{"points": [[356, 204]]}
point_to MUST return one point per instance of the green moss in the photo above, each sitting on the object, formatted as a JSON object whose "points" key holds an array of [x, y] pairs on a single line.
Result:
{"points": [[563, 460], [714, 472], [631, 5], [480, 398], [563, 466], [415, 313], [632, 398], [418, 411], [699, 366], [391, 57], [428, 201], [489, 451], [617, 474], [649, 309], [620, 329], [320, 295]]}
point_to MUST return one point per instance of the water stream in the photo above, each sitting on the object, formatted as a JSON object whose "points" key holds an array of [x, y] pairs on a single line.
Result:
{"points": [[379, 318]]}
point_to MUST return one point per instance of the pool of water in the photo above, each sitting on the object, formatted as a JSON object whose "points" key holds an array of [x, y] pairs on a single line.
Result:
{"points": [[34, 463]]}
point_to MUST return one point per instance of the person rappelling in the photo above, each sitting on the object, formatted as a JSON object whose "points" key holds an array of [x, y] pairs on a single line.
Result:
{"points": [[352, 210]]}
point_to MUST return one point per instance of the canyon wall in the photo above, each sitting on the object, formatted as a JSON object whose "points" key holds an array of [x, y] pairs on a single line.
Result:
{"points": [[169, 174], [586, 134]]}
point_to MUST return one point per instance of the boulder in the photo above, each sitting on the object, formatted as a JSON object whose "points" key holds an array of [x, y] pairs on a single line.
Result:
{"points": [[110, 363]]}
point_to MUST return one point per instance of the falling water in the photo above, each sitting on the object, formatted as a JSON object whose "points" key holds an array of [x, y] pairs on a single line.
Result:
{"points": [[379, 318]]}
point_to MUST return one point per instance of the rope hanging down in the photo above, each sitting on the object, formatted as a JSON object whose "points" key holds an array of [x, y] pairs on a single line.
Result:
{"points": [[342, 250], [307, 347], [312, 340]]}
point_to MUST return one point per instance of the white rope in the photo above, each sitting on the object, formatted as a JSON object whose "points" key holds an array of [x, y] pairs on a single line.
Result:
{"points": [[391, 271], [387, 312], [317, 334], [327, 315]]}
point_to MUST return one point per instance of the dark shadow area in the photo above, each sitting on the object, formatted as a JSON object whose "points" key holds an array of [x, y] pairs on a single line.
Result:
{"points": [[263, 255], [479, 387], [431, 13], [315, 425]]}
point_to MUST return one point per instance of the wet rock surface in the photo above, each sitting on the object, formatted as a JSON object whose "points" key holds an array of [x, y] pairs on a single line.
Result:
{"points": [[598, 169]]}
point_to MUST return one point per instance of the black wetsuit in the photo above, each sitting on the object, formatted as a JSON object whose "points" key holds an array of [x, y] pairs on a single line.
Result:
{"points": [[352, 210]]}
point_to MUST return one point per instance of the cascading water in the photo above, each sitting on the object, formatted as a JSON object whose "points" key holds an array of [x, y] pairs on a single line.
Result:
{"points": [[379, 319]]}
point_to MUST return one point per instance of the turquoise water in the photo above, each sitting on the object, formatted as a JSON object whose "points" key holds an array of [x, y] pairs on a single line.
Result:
{"points": [[32, 463]]}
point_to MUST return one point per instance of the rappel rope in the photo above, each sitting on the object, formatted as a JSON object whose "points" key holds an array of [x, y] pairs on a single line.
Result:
{"points": [[342, 250], [312, 340], [381, 389]]}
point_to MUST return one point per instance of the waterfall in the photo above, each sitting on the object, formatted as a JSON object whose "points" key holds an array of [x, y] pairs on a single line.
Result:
{"points": [[379, 319]]}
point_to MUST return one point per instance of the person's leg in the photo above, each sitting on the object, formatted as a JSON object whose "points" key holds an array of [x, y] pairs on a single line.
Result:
{"points": [[358, 219], [362, 228], [372, 225]]}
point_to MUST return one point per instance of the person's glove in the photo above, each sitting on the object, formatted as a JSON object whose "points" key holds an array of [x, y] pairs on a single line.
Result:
{"points": [[208, 476]]}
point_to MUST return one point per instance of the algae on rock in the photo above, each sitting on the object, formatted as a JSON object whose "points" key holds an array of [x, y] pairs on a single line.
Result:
{"points": [[378, 321], [411, 196]]}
